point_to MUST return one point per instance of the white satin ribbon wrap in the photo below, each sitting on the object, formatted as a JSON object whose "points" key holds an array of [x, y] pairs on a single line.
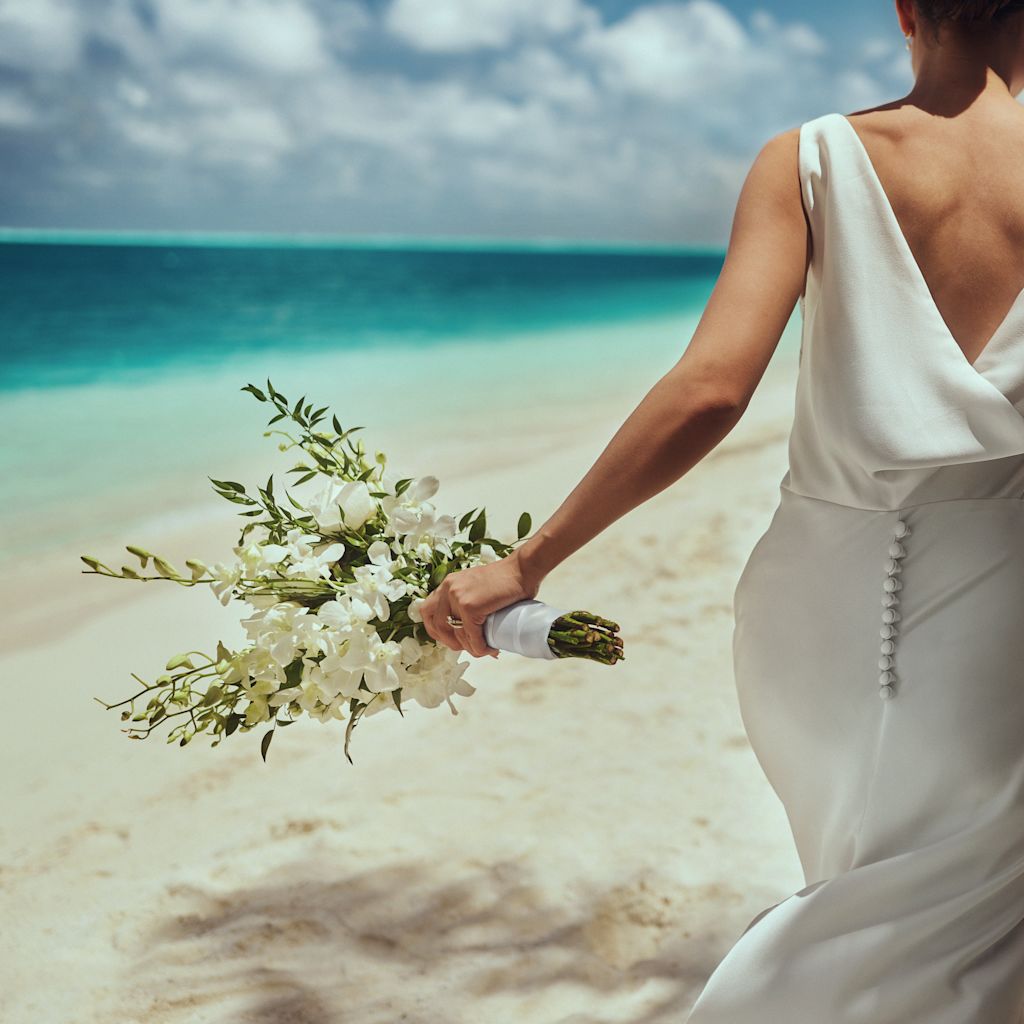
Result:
{"points": [[522, 628]]}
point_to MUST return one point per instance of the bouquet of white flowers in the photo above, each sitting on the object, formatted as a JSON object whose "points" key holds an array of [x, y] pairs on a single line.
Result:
{"points": [[333, 583]]}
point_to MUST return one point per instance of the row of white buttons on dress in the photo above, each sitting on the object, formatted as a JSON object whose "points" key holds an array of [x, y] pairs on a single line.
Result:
{"points": [[890, 612]]}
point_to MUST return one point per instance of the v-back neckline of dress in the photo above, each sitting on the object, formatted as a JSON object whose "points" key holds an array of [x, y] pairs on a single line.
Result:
{"points": [[915, 267]]}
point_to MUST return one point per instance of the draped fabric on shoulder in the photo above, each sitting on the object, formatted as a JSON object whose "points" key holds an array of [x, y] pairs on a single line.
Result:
{"points": [[892, 568], [888, 394]]}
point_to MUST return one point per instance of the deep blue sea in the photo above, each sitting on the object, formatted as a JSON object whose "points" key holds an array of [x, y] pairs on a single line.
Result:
{"points": [[81, 313], [123, 356]]}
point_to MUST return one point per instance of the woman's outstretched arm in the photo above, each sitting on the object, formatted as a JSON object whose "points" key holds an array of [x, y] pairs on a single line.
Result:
{"points": [[687, 412]]}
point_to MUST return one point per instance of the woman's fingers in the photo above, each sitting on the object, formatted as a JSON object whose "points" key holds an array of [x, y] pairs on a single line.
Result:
{"points": [[472, 632], [469, 637], [435, 610]]}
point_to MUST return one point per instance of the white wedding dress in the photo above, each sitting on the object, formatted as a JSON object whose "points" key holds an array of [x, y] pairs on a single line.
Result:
{"points": [[879, 644]]}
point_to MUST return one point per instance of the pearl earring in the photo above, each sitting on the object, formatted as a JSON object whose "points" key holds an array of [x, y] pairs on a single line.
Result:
{"points": [[908, 37]]}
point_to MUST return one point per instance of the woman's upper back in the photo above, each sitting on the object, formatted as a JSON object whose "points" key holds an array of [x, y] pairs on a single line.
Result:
{"points": [[957, 193], [890, 409]]}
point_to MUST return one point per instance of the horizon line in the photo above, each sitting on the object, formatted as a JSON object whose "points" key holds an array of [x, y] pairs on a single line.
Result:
{"points": [[239, 239]]}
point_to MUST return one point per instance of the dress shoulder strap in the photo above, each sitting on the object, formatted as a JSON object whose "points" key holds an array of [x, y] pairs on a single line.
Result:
{"points": [[814, 159]]}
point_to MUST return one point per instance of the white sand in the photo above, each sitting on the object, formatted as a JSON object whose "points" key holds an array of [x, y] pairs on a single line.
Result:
{"points": [[582, 843]]}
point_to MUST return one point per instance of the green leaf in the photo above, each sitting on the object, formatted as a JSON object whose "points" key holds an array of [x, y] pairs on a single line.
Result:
{"points": [[265, 743], [523, 527], [396, 696], [233, 722], [213, 694], [253, 390], [337, 425], [439, 573], [293, 673], [479, 527], [466, 518], [352, 719]]}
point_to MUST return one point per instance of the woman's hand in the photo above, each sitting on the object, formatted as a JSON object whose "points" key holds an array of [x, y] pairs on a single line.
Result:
{"points": [[471, 595]]}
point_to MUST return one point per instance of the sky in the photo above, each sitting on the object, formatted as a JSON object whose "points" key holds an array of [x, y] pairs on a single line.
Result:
{"points": [[585, 120]]}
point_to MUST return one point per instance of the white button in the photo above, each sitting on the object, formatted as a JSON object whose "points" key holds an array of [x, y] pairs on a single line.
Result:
{"points": [[885, 661], [887, 631], [890, 615], [896, 549], [891, 584], [887, 647], [887, 677], [885, 692], [888, 600], [892, 566], [900, 529]]}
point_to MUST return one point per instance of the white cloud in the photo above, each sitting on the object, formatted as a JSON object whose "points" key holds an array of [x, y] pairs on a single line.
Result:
{"points": [[271, 35], [345, 22], [683, 52], [15, 111], [453, 26], [227, 112], [796, 38], [537, 71], [39, 35], [672, 51]]}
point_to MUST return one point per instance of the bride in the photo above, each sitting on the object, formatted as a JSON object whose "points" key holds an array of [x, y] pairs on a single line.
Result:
{"points": [[878, 642]]}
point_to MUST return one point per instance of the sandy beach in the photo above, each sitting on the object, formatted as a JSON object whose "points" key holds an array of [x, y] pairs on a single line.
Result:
{"points": [[580, 844]]}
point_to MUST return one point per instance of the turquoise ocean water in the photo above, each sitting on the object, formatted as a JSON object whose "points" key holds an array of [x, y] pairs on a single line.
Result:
{"points": [[122, 356]]}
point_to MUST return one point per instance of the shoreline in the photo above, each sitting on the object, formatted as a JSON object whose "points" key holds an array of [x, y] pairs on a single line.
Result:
{"points": [[107, 451]]}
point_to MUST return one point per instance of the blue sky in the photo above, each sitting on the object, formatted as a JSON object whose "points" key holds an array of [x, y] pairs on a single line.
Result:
{"points": [[580, 119]]}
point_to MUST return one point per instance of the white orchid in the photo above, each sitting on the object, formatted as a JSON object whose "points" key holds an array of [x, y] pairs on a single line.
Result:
{"points": [[340, 616], [412, 650], [306, 694], [488, 554], [374, 585], [347, 504], [258, 691], [253, 562], [307, 557], [281, 630], [225, 577], [384, 670], [328, 712], [334, 678], [413, 517], [436, 677]]}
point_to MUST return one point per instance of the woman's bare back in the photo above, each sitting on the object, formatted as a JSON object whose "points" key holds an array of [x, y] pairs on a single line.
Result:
{"points": [[955, 187]]}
